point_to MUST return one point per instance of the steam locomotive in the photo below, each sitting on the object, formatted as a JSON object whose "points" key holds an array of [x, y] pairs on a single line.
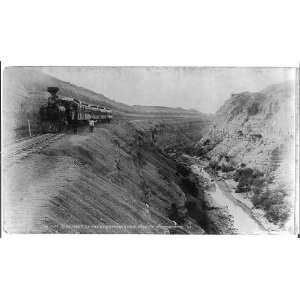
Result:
{"points": [[60, 112]]}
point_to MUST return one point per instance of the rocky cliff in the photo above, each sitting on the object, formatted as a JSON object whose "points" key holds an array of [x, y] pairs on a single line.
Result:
{"points": [[255, 131]]}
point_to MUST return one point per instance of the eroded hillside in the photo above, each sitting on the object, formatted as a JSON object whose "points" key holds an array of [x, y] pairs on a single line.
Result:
{"points": [[252, 141], [117, 179]]}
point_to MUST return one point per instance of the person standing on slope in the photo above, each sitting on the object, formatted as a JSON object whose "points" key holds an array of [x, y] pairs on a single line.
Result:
{"points": [[92, 125]]}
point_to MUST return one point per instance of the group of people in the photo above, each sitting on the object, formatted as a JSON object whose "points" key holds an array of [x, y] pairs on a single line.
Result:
{"points": [[91, 125]]}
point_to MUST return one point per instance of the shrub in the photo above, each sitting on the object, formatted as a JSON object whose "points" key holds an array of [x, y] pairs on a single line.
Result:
{"points": [[173, 213], [278, 213], [183, 170], [258, 184], [189, 186], [207, 142], [253, 109], [213, 165], [242, 188], [273, 202], [244, 177], [227, 168], [139, 159], [259, 197]]}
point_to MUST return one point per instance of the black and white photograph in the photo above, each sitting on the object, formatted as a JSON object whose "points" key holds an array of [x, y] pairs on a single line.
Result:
{"points": [[159, 150], [149, 149]]}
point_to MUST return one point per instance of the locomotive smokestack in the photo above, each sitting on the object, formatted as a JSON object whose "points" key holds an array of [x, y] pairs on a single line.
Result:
{"points": [[53, 90]]}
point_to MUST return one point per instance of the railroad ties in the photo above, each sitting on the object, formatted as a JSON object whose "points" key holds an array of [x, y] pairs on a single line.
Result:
{"points": [[21, 149]]}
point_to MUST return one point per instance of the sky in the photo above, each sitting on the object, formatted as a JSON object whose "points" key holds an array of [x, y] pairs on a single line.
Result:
{"points": [[201, 88]]}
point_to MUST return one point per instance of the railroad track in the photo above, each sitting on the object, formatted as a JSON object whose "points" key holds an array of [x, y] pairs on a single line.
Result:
{"points": [[28, 146]]}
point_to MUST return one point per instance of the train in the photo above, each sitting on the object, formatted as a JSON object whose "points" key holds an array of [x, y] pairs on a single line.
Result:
{"points": [[61, 112]]}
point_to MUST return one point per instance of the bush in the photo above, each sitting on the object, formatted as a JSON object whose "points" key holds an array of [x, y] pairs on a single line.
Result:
{"points": [[139, 159], [278, 213], [253, 109], [227, 168], [258, 184], [213, 165], [259, 198], [183, 170], [273, 202], [242, 188], [163, 174], [173, 214], [244, 177], [189, 186]]}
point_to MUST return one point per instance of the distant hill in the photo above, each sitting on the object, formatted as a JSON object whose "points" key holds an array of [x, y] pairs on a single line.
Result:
{"points": [[164, 109]]}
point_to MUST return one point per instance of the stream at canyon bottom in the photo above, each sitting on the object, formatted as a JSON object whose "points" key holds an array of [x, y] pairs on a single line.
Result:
{"points": [[244, 223]]}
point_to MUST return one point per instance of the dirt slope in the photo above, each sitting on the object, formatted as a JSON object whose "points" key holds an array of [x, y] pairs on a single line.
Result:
{"points": [[83, 182]]}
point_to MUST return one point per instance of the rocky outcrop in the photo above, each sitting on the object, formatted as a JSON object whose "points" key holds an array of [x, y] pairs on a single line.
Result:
{"points": [[253, 128], [255, 131]]}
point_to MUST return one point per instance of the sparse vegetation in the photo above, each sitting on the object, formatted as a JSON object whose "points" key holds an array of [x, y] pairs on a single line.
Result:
{"points": [[213, 165], [271, 200], [183, 170], [175, 215], [244, 177], [245, 130], [227, 168], [189, 186], [253, 109]]}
